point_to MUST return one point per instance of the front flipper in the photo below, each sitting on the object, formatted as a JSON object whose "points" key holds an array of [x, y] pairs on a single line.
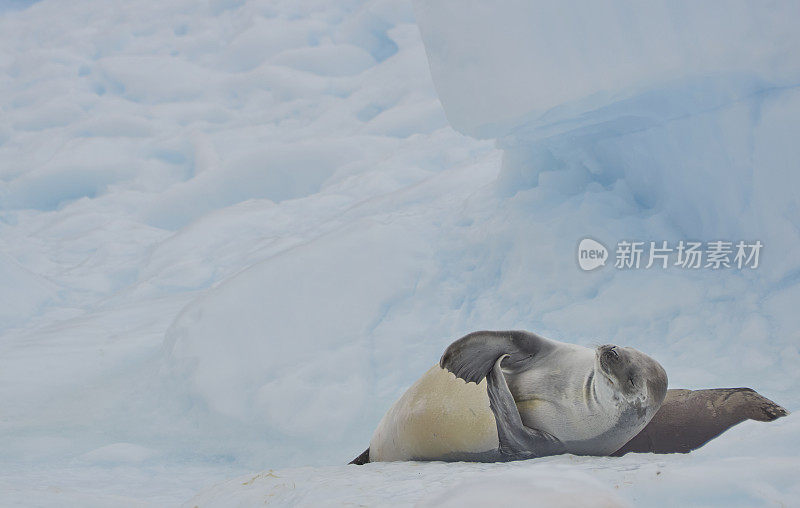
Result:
{"points": [[472, 357], [516, 440], [689, 419]]}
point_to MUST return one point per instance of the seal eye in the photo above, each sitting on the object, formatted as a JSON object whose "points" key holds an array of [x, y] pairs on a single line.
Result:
{"points": [[611, 354]]}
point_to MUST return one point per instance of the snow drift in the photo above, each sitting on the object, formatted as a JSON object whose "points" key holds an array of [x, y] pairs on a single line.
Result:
{"points": [[232, 233]]}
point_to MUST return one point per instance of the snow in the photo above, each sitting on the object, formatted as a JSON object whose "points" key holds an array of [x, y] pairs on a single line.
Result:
{"points": [[232, 233], [524, 60], [716, 475]]}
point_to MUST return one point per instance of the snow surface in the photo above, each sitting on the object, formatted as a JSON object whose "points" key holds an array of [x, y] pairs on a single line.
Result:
{"points": [[233, 232], [722, 473]]}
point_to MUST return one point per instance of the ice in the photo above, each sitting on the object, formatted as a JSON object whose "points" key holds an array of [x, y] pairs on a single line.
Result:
{"points": [[498, 64], [332, 60], [691, 128], [118, 453], [23, 293], [232, 233]]}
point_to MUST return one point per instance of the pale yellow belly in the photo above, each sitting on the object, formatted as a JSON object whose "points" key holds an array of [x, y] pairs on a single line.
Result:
{"points": [[437, 416]]}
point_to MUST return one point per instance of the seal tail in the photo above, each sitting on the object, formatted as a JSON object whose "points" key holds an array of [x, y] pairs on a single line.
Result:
{"points": [[361, 459]]}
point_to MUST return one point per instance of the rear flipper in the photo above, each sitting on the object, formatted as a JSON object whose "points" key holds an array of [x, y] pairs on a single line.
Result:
{"points": [[361, 459], [517, 441], [688, 419]]}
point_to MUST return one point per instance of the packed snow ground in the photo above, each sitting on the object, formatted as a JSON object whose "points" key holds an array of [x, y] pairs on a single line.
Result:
{"points": [[232, 233], [725, 473]]}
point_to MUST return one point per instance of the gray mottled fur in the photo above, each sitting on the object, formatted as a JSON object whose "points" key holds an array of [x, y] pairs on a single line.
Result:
{"points": [[473, 356], [480, 355], [516, 440]]}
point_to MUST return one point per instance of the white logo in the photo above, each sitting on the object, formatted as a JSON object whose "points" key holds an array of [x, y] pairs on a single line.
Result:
{"points": [[693, 255], [591, 254]]}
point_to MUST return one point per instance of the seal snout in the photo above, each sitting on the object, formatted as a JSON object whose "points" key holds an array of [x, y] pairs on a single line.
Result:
{"points": [[608, 357]]}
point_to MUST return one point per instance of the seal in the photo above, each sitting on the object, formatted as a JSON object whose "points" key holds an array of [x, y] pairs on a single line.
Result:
{"points": [[688, 419], [500, 396]]}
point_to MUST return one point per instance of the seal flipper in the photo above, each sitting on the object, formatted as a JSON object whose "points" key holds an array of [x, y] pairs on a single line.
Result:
{"points": [[689, 419], [516, 440], [473, 356], [361, 459]]}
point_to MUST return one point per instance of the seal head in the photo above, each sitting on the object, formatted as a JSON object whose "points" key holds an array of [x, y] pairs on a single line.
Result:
{"points": [[632, 374], [590, 401]]}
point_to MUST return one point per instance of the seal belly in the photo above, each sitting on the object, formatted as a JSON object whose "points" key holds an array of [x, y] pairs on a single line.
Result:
{"points": [[439, 416]]}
